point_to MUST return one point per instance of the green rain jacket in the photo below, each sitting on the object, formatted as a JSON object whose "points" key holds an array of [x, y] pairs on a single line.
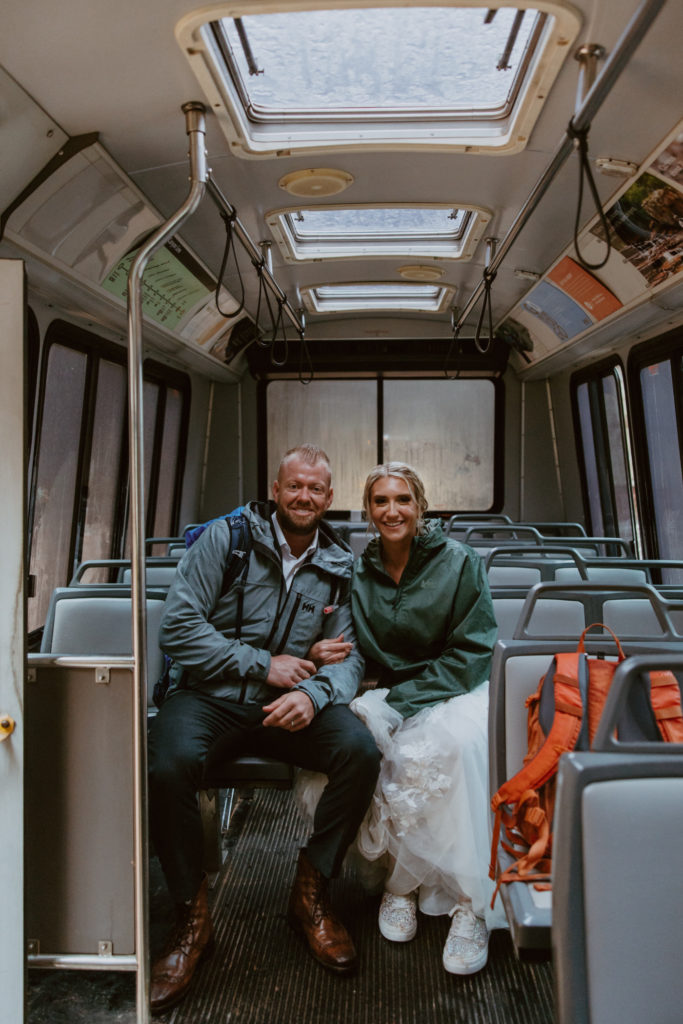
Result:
{"points": [[430, 636]]}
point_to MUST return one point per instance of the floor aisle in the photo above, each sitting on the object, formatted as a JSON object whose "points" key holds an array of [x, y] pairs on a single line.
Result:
{"points": [[261, 973]]}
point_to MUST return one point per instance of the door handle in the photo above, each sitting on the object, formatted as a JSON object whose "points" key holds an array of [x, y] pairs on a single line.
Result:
{"points": [[7, 725]]}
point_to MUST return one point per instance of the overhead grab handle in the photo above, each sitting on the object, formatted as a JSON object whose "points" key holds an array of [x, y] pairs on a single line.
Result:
{"points": [[588, 56], [489, 277]]}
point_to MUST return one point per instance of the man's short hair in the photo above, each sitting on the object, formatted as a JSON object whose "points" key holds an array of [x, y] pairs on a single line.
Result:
{"points": [[310, 453]]}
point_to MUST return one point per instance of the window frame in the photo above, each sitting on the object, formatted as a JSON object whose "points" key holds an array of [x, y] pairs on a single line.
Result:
{"points": [[458, 245], [472, 133], [498, 483], [593, 377], [664, 348]]}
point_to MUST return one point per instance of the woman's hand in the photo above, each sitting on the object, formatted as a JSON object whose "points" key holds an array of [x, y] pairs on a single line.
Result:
{"points": [[329, 652]]}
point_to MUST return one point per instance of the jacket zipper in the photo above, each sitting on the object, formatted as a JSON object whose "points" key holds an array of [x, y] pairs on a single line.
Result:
{"points": [[288, 627]]}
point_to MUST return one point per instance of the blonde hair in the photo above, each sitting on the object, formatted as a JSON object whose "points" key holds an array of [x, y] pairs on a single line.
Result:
{"points": [[410, 478]]}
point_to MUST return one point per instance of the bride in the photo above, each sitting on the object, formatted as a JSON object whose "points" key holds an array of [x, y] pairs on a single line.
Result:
{"points": [[424, 621]]}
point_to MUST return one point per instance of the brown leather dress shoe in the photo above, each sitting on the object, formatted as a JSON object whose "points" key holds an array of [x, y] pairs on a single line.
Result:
{"points": [[309, 912], [192, 939]]}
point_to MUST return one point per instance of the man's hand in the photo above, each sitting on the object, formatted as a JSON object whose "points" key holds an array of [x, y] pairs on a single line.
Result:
{"points": [[286, 671], [329, 652], [292, 711]]}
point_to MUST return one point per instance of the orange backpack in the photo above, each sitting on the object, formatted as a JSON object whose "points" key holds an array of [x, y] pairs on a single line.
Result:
{"points": [[523, 806]]}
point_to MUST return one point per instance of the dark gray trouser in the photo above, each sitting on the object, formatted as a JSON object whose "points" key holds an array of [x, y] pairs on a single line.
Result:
{"points": [[194, 732]]}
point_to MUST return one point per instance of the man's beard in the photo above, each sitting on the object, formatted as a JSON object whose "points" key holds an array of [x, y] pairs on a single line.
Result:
{"points": [[287, 522]]}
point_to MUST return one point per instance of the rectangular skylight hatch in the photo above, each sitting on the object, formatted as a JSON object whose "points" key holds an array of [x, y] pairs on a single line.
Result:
{"points": [[381, 296], [367, 232], [377, 73]]}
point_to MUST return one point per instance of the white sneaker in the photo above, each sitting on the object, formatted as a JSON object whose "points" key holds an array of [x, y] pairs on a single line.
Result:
{"points": [[467, 945], [398, 917]]}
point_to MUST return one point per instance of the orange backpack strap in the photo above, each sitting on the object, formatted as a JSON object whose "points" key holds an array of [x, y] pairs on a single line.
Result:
{"points": [[665, 697], [562, 737], [527, 821]]}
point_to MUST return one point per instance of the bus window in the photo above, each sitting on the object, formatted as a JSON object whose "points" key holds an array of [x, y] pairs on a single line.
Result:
{"points": [[360, 423], [340, 416], [657, 374], [446, 430], [80, 468], [108, 460], [56, 469], [599, 403]]}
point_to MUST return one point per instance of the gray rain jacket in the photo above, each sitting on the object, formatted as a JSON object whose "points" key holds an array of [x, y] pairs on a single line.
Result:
{"points": [[198, 628]]}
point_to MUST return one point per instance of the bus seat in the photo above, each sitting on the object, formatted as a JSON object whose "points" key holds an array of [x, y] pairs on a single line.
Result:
{"points": [[638, 618], [100, 623], [561, 618], [155, 575], [513, 575], [599, 574], [617, 831], [358, 541], [517, 667]]}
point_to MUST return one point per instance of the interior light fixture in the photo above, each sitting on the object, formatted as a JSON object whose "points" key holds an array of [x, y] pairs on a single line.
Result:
{"points": [[614, 168], [316, 181], [421, 273]]}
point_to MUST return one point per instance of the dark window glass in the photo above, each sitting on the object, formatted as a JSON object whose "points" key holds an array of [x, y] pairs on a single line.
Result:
{"points": [[79, 483], [607, 481], [56, 477]]}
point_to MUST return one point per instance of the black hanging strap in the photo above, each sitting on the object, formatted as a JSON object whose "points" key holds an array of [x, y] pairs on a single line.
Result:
{"points": [[580, 136], [229, 245], [489, 278]]}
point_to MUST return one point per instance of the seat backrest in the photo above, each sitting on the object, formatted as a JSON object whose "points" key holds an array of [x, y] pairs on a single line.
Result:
{"points": [[358, 541], [155, 575], [560, 618], [513, 575], [100, 624], [598, 574], [517, 668], [617, 888], [637, 618]]}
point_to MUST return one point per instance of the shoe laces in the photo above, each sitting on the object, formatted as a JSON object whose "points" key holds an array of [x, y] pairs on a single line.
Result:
{"points": [[464, 921], [183, 935]]}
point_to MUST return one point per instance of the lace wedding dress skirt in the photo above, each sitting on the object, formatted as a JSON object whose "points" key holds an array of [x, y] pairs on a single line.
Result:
{"points": [[429, 824]]}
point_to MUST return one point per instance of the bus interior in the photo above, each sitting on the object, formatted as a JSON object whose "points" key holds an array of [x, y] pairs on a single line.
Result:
{"points": [[446, 232]]}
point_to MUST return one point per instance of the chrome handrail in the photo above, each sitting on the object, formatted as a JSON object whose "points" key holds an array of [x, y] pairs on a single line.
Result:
{"points": [[196, 130]]}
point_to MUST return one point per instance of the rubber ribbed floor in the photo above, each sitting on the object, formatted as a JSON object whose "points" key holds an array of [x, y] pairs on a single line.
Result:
{"points": [[261, 971]]}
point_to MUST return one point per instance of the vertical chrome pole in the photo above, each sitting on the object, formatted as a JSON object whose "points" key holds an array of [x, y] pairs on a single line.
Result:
{"points": [[196, 131]]}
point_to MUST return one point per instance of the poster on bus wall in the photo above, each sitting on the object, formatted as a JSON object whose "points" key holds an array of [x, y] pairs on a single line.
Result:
{"points": [[646, 221], [565, 304]]}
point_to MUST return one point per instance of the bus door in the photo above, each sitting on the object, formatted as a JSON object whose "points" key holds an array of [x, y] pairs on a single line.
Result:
{"points": [[12, 636]]}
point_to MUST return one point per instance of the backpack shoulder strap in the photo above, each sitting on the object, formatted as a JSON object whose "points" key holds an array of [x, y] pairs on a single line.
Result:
{"points": [[237, 562], [562, 737], [665, 697]]}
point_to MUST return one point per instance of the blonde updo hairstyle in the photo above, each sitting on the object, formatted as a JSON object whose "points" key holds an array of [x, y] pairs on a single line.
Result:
{"points": [[411, 480]]}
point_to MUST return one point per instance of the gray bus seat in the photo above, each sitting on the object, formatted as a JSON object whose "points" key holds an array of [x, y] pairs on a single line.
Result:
{"points": [[513, 575], [99, 623], [160, 572], [561, 618], [588, 547], [358, 541], [600, 574], [518, 665], [617, 883]]}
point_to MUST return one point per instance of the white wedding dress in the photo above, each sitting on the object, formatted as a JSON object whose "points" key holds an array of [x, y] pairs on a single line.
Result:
{"points": [[430, 815]]}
